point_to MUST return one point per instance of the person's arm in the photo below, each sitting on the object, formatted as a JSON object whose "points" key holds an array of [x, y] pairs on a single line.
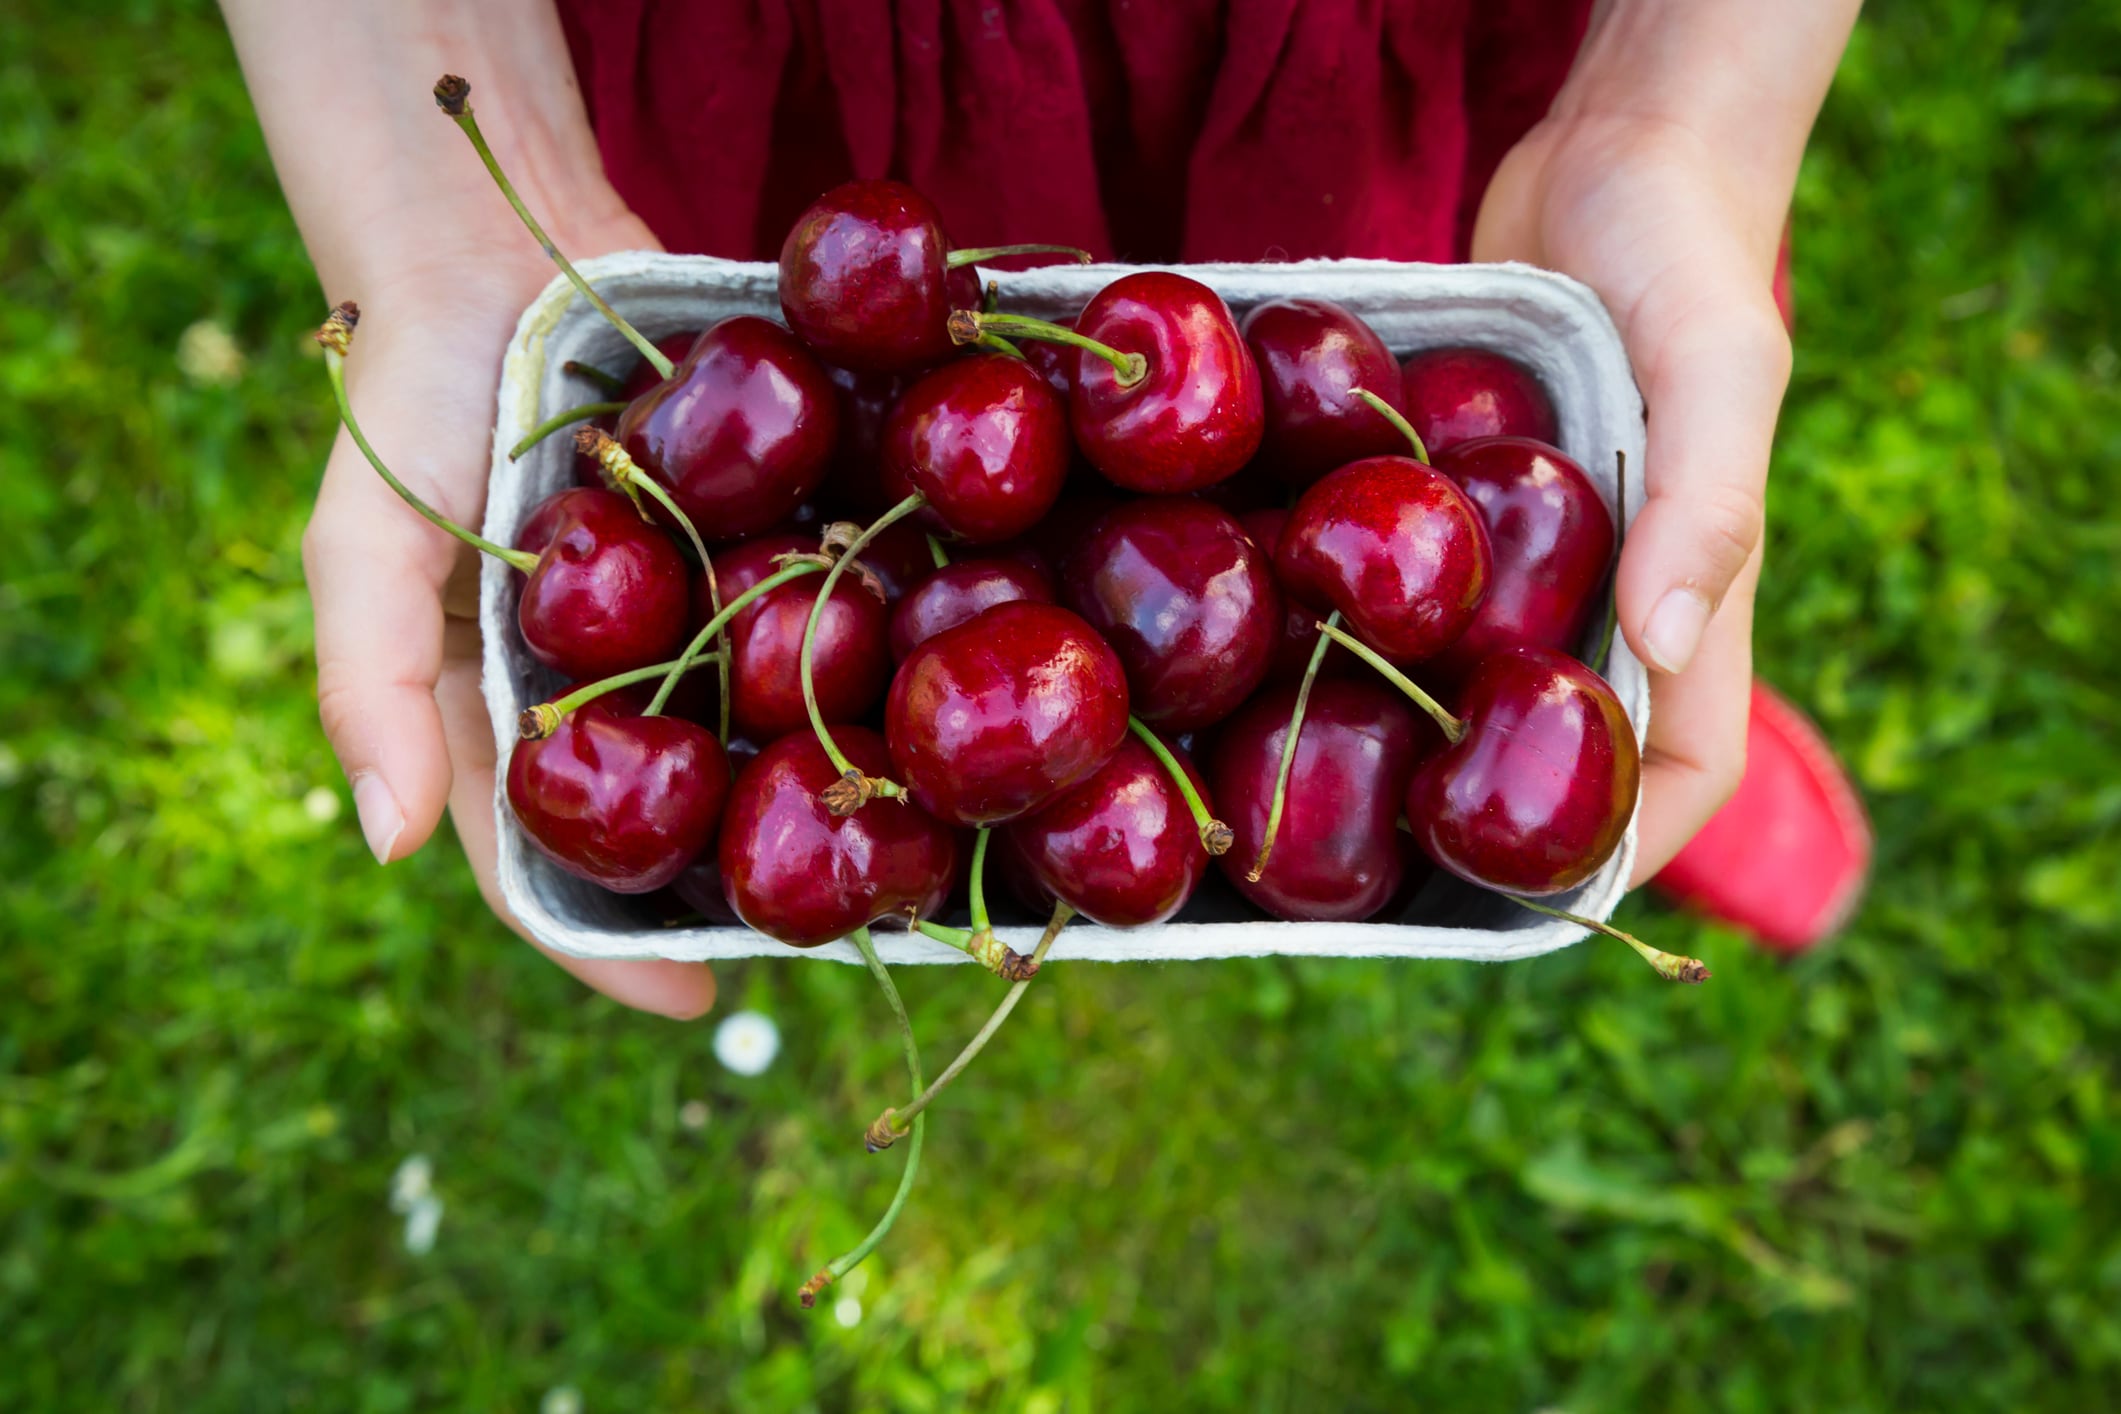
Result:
{"points": [[1661, 177], [399, 215]]}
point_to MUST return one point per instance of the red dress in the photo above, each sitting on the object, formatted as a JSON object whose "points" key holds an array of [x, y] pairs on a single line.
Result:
{"points": [[1139, 129]]}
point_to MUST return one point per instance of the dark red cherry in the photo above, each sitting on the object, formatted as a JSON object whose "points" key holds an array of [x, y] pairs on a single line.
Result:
{"points": [[610, 591], [796, 872], [854, 487], [1121, 848], [985, 440], [899, 557], [1299, 630], [644, 378], [1455, 395], [1396, 547], [1310, 353], [742, 432], [1552, 539], [1339, 854], [1537, 793], [619, 799], [698, 888], [959, 592], [1055, 362], [1186, 600], [1195, 416], [853, 656], [999, 715], [865, 278]]}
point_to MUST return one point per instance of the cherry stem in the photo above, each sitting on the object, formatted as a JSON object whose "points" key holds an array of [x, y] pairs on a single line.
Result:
{"points": [[1453, 728], [958, 259], [1670, 966], [559, 420], [609, 382], [858, 788], [981, 946], [452, 95], [1620, 541], [968, 326], [938, 554], [1215, 836], [886, 1130], [537, 722], [838, 1267], [1288, 753], [714, 626], [1000, 345], [336, 336], [976, 883], [1394, 416], [990, 298]]}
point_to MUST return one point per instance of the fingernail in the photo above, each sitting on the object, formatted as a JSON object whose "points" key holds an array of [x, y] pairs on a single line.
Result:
{"points": [[381, 819], [1674, 631]]}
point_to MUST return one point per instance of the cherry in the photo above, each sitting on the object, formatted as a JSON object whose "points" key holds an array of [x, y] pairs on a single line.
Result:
{"points": [[646, 376], [799, 874], [985, 441], [999, 715], [958, 592], [1339, 854], [1310, 353], [899, 558], [1395, 547], [1055, 362], [1552, 539], [1164, 395], [1455, 395], [1538, 783], [1121, 848], [854, 486], [853, 660], [741, 432], [698, 887], [619, 799], [1186, 600], [1299, 631], [608, 591]]}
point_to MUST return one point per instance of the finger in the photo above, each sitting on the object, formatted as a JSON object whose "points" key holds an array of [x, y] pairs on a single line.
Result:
{"points": [[681, 990]]}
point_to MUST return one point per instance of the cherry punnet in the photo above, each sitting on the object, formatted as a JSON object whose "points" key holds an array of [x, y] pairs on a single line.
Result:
{"points": [[984, 442], [955, 593], [1186, 600], [853, 659], [1552, 539], [1165, 397], [870, 281], [1455, 395], [1310, 353]]}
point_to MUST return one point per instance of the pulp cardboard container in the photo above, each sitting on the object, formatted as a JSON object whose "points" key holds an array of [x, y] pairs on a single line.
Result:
{"points": [[1548, 322]]}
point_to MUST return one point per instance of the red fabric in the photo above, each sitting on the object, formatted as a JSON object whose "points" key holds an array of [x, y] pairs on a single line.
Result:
{"points": [[1139, 129]]}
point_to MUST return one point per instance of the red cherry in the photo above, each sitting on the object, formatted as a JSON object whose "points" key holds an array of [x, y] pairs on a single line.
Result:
{"points": [[609, 590], [1339, 853], [1396, 547], [698, 887], [854, 488], [1299, 623], [1537, 791], [899, 557], [852, 663], [741, 433], [621, 800], [1455, 395], [1552, 539], [1055, 362], [796, 872], [865, 278], [1186, 600], [959, 592], [1310, 353], [998, 716], [985, 440], [1121, 848]]}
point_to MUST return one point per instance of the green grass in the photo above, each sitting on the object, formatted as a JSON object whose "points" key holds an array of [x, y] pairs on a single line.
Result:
{"points": [[1883, 1177]]}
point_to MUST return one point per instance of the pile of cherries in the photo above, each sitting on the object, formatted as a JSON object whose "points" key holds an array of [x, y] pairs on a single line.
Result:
{"points": [[846, 600]]}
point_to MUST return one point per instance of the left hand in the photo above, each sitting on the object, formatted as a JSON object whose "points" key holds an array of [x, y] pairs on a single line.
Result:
{"points": [[1642, 211]]}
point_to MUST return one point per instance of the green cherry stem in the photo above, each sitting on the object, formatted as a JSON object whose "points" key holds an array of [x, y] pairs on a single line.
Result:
{"points": [[888, 1127], [976, 255], [976, 884], [1288, 754], [1620, 540], [1670, 966], [541, 720], [852, 790], [1453, 728], [559, 420], [997, 344], [713, 627], [937, 553], [1215, 836], [969, 326], [839, 1266], [452, 96], [337, 337], [982, 947], [1398, 419], [609, 382]]}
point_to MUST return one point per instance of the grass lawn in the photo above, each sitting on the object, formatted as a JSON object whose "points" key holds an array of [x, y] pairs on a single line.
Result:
{"points": [[1883, 1177]]}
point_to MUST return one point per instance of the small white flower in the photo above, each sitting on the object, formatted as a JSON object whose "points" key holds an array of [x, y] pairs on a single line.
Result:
{"points": [[321, 804], [422, 1220], [847, 1311], [561, 1399], [747, 1042], [413, 1181], [694, 1114], [207, 354]]}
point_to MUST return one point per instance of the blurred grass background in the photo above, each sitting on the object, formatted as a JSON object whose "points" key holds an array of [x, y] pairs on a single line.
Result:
{"points": [[1882, 1177]]}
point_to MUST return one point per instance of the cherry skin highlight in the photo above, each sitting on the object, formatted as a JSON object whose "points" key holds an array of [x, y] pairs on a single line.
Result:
{"points": [[1538, 792], [999, 715], [1310, 353], [852, 662], [985, 439], [959, 592], [865, 278], [1455, 395], [1186, 600], [796, 872], [1121, 848], [609, 591]]}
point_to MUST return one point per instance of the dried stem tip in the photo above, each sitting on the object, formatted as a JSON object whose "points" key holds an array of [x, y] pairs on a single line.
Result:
{"points": [[963, 325], [882, 1133], [999, 958], [537, 723], [336, 333], [808, 1295], [451, 94], [848, 794], [1217, 838]]}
